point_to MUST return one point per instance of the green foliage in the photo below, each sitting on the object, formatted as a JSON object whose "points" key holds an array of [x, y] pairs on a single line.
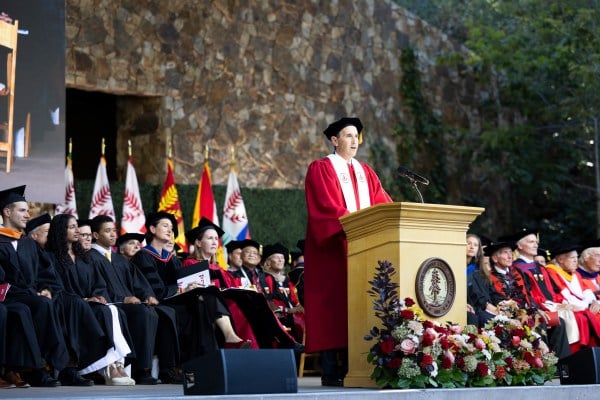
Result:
{"points": [[528, 164], [274, 215], [421, 140]]}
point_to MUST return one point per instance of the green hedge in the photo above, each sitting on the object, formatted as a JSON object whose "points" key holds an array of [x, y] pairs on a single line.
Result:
{"points": [[274, 215]]}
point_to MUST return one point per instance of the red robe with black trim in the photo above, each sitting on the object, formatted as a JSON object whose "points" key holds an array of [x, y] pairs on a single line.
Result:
{"points": [[325, 255]]}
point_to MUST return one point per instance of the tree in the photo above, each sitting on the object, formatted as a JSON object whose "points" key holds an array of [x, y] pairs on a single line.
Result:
{"points": [[532, 156]]}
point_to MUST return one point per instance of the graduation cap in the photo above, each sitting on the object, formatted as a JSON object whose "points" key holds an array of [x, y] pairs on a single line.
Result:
{"points": [[300, 245], [153, 217], [276, 248], [493, 247], [130, 236], [233, 245], [250, 243], [515, 237], [12, 195], [565, 248], [589, 244], [203, 225], [544, 253], [335, 127], [37, 221], [84, 222]]}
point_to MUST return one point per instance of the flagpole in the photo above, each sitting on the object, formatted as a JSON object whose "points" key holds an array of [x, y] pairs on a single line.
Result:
{"points": [[71, 148], [206, 153], [103, 147], [129, 147]]}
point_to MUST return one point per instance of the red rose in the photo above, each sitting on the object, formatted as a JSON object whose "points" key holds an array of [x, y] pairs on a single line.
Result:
{"points": [[482, 369], [460, 362], [500, 372], [426, 360], [407, 314], [427, 340], [446, 363], [445, 343], [395, 362], [520, 332], [509, 362], [387, 346], [427, 324], [409, 302], [498, 331]]}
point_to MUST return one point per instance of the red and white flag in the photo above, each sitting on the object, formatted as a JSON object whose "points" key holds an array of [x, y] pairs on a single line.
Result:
{"points": [[70, 205], [134, 220], [101, 198], [235, 221]]}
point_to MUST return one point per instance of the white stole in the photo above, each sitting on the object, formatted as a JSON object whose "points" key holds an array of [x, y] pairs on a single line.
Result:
{"points": [[343, 174]]}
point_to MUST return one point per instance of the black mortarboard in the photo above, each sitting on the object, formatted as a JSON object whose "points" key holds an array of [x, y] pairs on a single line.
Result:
{"points": [[276, 248], [589, 243], [493, 247], [294, 255], [233, 245], [564, 248], [126, 237], [37, 221], [153, 217], [84, 222], [250, 243], [300, 245], [203, 225], [515, 237], [544, 253], [335, 127], [12, 195]]}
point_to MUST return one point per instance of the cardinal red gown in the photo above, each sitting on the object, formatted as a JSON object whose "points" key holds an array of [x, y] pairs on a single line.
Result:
{"points": [[325, 255]]}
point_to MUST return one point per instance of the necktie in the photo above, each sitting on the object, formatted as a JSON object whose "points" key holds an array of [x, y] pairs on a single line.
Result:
{"points": [[108, 255]]}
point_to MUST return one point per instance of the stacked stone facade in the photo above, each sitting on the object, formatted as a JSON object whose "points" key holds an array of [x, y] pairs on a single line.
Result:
{"points": [[264, 77]]}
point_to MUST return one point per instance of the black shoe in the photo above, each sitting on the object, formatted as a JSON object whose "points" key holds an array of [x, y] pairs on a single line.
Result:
{"points": [[70, 377], [144, 378], [170, 376], [328, 380], [41, 378]]}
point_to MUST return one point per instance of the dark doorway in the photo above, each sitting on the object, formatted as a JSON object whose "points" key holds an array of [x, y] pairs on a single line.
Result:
{"points": [[90, 117]]}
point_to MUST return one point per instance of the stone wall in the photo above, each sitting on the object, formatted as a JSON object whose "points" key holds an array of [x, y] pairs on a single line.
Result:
{"points": [[263, 76]]}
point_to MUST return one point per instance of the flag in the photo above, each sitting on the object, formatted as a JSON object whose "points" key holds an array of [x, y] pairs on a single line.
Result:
{"points": [[101, 198], [70, 205], [235, 222], [206, 207], [169, 202], [134, 220]]}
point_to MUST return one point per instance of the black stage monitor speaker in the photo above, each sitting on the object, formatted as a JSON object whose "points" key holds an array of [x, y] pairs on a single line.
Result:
{"points": [[238, 371], [580, 368]]}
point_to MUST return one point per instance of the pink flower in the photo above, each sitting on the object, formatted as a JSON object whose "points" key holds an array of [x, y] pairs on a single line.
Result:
{"points": [[479, 344], [516, 341], [500, 372], [456, 329], [408, 346]]}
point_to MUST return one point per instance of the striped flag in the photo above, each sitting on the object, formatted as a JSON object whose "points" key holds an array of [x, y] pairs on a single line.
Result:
{"points": [[235, 221], [169, 202], [134, 220], [70, 205], [101, 198], [206, 207]]}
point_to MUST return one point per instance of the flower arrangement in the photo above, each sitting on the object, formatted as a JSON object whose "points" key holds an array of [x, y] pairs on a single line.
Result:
{"points": [[412, 352]]}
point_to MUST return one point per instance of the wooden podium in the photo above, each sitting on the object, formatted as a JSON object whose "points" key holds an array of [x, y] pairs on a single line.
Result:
{"points": [[406, 234]]}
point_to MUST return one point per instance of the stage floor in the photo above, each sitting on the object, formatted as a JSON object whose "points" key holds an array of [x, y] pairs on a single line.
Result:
{"points": [[309, 388]]}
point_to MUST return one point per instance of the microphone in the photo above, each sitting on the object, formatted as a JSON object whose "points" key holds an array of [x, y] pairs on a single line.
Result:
{"points": [[403, 171]]}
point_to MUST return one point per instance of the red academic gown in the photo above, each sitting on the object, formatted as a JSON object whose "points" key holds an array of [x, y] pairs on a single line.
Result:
{"points": [[325, 255]]}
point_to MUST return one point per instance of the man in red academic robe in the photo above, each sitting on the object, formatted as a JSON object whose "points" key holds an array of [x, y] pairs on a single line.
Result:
{"points": [[335, 186]]}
